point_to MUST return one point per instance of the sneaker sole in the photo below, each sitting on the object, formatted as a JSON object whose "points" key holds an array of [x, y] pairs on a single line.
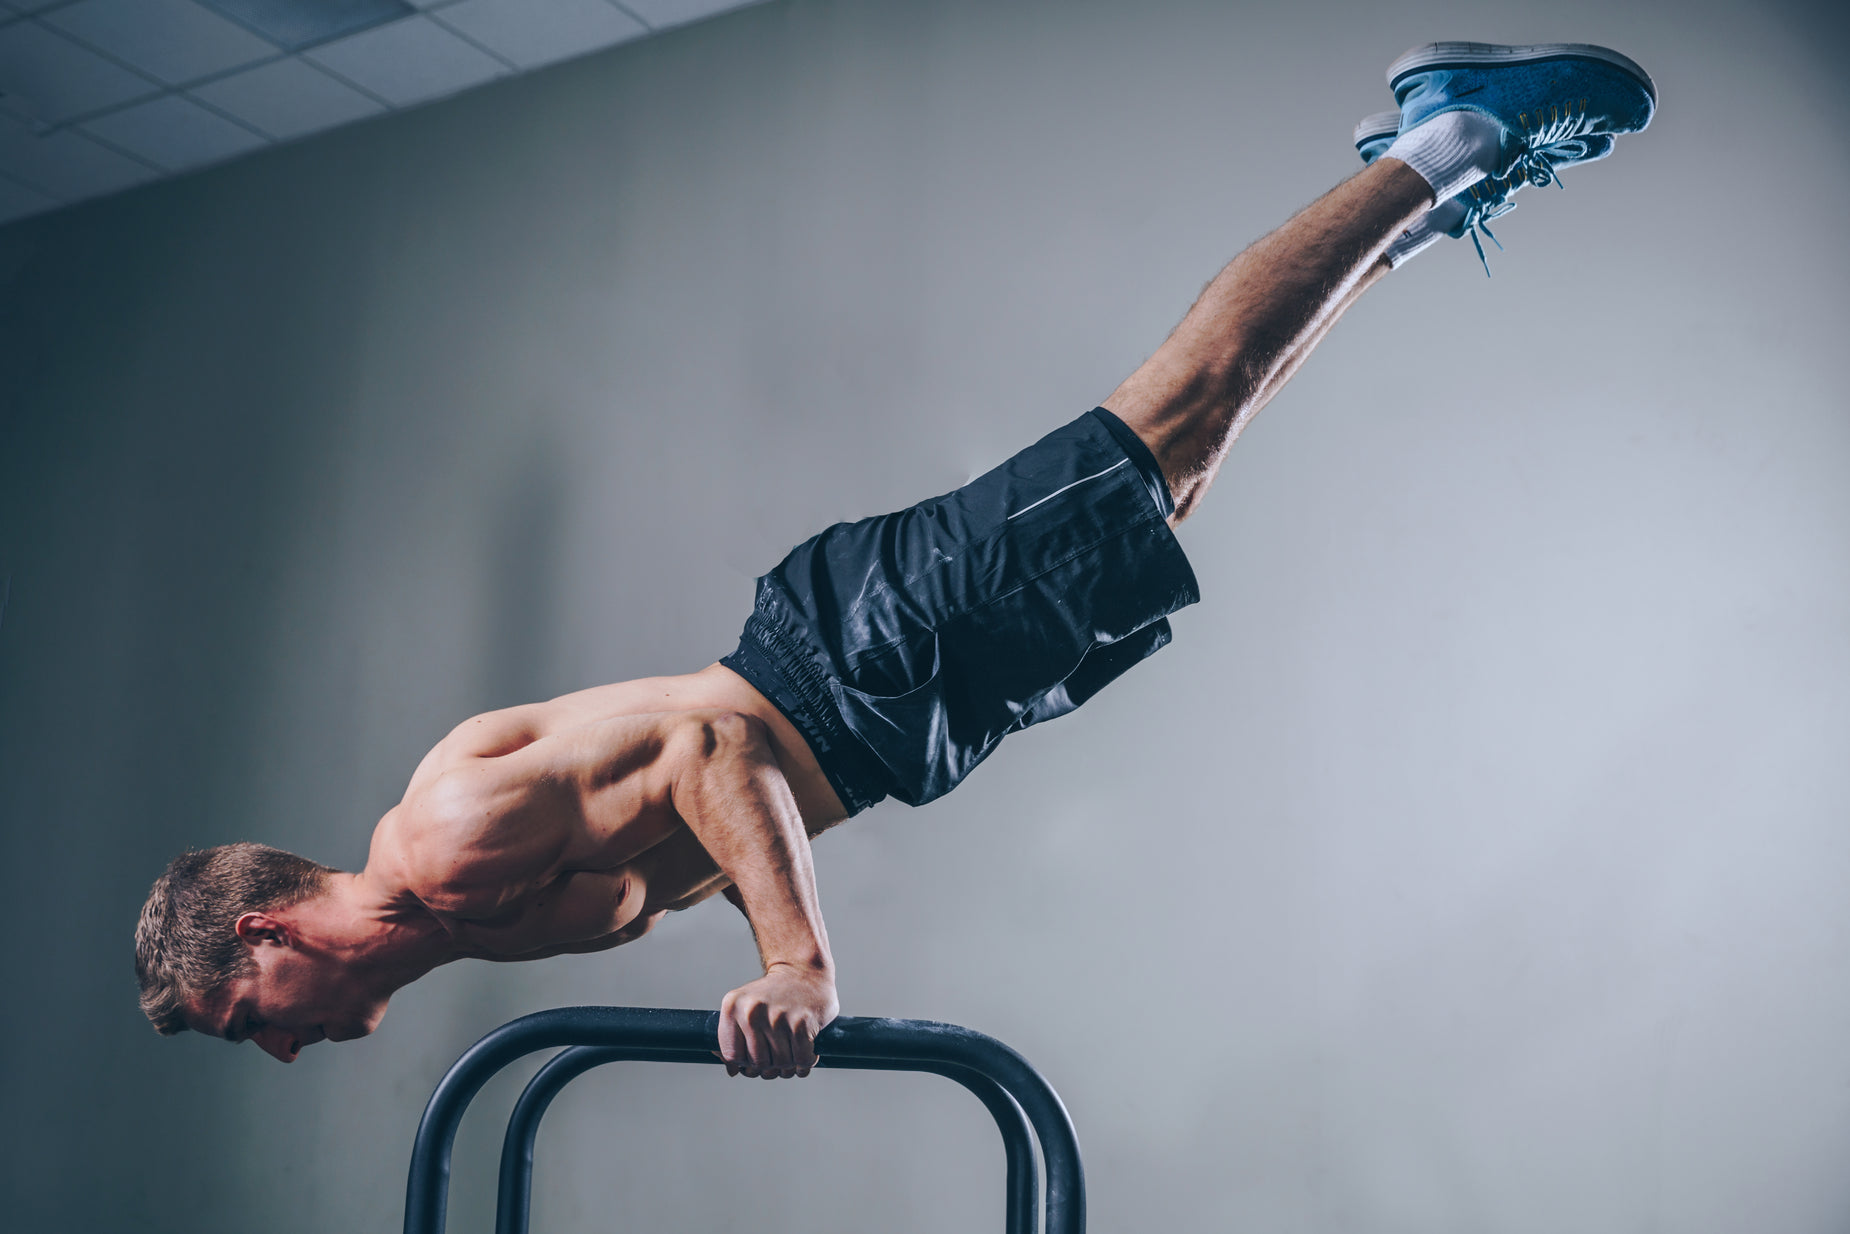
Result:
{"points": [[1476, 55], [1373, 128]]}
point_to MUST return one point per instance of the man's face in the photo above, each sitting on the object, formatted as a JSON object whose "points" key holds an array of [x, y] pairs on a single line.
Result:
{"points": [[290, 1002]]}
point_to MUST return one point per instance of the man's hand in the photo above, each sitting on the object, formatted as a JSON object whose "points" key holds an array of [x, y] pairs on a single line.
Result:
{"points": [[768, 1028]]}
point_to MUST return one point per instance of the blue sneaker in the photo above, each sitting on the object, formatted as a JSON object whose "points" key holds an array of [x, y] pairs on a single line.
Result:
{"points": [[1548, 98], [1557, 104], [1376, 133]]}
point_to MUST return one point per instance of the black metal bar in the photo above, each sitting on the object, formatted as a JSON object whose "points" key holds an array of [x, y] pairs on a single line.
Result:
{"points": [[1023, 1184], [514, 1200], [941, 1048]]}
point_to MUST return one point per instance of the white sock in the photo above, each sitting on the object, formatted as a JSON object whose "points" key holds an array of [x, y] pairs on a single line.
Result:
{"points": [[1426, 229], [1452, 151]]}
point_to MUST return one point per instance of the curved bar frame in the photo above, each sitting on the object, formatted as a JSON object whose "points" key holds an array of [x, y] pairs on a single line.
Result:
{"points": [[514, 1199], [921, 1045]]}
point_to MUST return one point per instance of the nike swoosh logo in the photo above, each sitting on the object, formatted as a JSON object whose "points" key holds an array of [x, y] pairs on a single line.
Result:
{"points": [[1473, 90]]}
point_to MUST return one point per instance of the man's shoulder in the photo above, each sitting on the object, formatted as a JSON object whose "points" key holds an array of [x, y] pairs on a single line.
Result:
{"points": [[392, 858], [428, 855]]}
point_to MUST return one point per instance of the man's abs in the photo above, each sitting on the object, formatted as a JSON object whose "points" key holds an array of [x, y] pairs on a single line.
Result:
{"points": [[579, 909]]}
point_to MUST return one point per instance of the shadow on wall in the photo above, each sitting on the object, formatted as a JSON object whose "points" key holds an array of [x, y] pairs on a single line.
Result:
{"points": [[135, 646]]}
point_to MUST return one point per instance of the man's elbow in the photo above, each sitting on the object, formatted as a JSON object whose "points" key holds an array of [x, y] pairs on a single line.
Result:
{"points": [[723, 734], [714, 752]]}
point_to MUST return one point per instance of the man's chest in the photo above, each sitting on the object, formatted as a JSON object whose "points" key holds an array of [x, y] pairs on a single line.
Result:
{"points": [[576, 907]]}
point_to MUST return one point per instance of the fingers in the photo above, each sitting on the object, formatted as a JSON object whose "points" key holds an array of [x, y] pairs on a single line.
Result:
{"points": [[803, 1048], [759, 1038], [731, 1048], [782, 1051], [756, 1033], [744, 1033]]}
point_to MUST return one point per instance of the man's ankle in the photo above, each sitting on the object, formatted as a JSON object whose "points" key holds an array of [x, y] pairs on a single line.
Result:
{"points": [[1451, 152], [1425, 231]]}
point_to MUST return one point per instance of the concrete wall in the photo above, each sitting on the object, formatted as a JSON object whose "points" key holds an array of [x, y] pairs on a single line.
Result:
{"points": [[1474, 861]]}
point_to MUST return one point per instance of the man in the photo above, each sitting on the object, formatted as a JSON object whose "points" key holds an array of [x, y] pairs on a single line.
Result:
{"points": [[882, 658]]}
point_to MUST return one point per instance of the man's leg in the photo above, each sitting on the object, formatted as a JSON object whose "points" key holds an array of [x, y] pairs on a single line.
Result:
{"points": [[1483, 117], [1258, 320]]}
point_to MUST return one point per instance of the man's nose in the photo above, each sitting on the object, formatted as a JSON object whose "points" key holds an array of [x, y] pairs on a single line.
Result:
{"points": [[278, 1043]]}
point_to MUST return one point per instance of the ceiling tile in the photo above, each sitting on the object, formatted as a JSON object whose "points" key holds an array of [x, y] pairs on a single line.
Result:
{"points": [[17, 201], [296, 24], [55, 79], [176, 41], [660, 13], [173, 132], [408, 61], [531, 35], [287, 98], [66, 164]]}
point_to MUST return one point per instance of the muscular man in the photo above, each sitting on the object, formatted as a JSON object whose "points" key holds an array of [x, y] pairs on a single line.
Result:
{"points": [[883, 658]]}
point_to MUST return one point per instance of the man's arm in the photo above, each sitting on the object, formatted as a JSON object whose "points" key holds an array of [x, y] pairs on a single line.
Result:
{"points": [[733, 796]]}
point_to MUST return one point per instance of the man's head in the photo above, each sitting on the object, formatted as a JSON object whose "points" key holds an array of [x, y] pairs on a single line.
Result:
{"points": [[221, 948]]}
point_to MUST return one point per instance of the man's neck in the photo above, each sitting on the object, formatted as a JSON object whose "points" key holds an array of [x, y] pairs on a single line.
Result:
{"points": [[371, 931]]}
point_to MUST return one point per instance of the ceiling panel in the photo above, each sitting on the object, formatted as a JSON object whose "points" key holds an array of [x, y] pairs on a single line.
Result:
{"points": [[54, 79], [173, 132], [408, 61], [295, 24], [175, 41], [662, 13], [66, 165], [287, 98], [101, 95], [530, 35]]}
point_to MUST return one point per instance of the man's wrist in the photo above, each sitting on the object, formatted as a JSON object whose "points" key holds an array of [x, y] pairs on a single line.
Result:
{"points": [[817, 965]]}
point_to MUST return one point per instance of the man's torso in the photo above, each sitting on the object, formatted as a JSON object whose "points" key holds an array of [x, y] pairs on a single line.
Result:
{"points": [[593, 886]]}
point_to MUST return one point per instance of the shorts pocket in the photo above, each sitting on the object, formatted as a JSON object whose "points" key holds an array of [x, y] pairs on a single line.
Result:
{"points": [[909, 731]]}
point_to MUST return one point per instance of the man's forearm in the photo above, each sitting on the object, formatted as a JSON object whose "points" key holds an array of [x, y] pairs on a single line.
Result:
{"points": [[732, 794], [735, 801]]}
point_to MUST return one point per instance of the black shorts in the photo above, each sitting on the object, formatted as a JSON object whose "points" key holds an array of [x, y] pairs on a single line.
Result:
{"points": [[905, 647]]}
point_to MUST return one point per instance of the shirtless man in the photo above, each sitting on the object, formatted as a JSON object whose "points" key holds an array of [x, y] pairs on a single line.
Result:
{"points": [[882, 658]]}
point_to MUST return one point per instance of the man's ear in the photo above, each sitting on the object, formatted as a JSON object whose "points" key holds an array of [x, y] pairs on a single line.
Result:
{"points": [[263, 930]]}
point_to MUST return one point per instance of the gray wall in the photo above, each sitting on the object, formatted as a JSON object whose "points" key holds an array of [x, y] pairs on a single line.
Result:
{"points": [[1475, 861]]}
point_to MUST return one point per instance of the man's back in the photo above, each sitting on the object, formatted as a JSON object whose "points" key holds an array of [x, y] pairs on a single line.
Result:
{"points": [[540, 829]]}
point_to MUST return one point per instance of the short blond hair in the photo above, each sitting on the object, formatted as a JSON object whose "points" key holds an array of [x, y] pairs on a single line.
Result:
{"points": [[186, 943]]}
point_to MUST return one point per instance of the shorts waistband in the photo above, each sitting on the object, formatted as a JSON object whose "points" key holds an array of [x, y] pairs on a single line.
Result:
{"points": [[778, 667], [1141, 458]]}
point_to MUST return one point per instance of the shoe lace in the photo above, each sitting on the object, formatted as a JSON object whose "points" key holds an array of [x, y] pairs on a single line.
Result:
{"points": [[1477, 221], [1552, 142]]}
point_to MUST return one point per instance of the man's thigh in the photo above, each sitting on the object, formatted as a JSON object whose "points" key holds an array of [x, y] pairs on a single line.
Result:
{"points": [[941, 628]]}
